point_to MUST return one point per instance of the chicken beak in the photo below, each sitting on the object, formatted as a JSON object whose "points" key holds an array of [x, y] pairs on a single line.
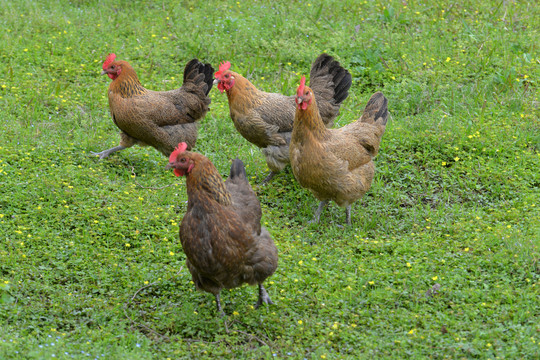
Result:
{"points": [[103, 72], [298, 100], [169, 166], [216, 81]]}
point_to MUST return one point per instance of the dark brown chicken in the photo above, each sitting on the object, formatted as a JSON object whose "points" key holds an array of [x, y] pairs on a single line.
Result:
{"points": [[221, 232], [336, 164], [266, 119], [161, 119]]}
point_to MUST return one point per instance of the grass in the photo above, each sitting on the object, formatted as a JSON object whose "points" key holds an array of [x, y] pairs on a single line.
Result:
{"points": [[90, 262]]}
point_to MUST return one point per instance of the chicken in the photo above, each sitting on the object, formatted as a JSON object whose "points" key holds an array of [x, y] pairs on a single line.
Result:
{"points": [[266, 119], [160, 119], [221, 232], [335, 164]]}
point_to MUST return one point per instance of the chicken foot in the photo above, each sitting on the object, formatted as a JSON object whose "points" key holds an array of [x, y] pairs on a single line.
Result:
{"points": [[103, 154], [318, 212], [263, 297]]}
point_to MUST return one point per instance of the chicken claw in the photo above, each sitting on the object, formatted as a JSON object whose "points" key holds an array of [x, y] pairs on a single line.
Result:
{"points": [[263, 297]]}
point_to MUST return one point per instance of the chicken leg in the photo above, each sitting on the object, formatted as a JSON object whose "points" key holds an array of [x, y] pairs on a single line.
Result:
{"points": [[263, 297], [348, 214], [268, 177], [103, 154], [318, 212], [218, 305]]}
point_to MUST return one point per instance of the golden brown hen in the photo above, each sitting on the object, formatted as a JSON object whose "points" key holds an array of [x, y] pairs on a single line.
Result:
{"points": [[336, 164], [221, 232], [161, 119]]}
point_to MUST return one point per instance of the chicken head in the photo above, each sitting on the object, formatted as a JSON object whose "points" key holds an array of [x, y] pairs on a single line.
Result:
{"points": [[224, 77]]}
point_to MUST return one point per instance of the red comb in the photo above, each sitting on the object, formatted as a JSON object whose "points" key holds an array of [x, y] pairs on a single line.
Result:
{"points": [[179, 150], [110, 58], [224, 66], [300, 90]]}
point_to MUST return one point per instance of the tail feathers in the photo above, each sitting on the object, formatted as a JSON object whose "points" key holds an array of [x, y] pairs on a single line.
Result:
{"points": [[376, 111], [342, 84], [199, 74], [238, 170], [330, 83]]}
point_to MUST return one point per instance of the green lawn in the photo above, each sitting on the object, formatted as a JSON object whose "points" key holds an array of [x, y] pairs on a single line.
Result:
{"points": [[90, 261]]}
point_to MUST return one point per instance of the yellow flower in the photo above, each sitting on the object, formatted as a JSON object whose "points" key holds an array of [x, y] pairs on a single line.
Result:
{"points": [[171, 253], [300, 322], [409, 265], [448, 59], [456, 159], [443, 163], [371, 282], [434, 278], [128, 245], [235, 313]]}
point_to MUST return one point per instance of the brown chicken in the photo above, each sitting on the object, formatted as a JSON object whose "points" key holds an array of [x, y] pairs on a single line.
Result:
{"points": [[336, 164], [221, 232], [266, 119], [161, 119]]}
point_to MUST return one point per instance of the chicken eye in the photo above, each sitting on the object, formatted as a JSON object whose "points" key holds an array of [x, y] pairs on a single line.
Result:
{"points": [[227, 75], [183, 160]]}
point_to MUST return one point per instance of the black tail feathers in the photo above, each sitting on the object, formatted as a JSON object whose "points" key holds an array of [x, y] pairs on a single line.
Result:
{"points": [[238, 169], [341, 78], [193, 70], [376, 110]]}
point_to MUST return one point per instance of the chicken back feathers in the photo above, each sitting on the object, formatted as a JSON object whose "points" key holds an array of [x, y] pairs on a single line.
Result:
{"points": [[161, 119], [266, 119], [336, 164], [221, 233]]}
